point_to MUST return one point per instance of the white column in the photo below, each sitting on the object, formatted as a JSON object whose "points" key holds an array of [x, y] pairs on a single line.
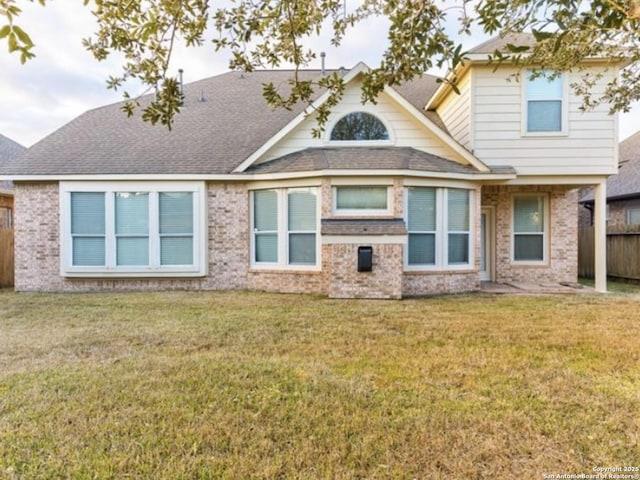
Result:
{"points": [[600, 227]]}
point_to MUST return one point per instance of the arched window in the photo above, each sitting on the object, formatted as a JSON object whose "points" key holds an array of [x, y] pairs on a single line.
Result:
{"points": [[359, 126]]}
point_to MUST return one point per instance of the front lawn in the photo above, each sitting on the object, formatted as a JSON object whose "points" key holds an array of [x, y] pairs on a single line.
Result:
{"points": [[187, 385]]}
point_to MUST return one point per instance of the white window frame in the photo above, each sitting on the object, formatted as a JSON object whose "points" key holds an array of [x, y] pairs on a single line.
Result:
{"points": [[283, 231], [197, 269], [359, 143], [564, 109], [442, 231], [362, 212], [545, 232]]}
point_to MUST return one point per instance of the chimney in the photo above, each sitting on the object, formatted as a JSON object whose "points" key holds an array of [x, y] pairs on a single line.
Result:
{"points": [[322, 57], [180, 72]]}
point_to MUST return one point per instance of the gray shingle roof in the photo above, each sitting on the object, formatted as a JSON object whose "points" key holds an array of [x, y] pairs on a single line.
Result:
{"points": [[500, 43], [626, 182], [8, 150], [360, 158], [209, 137]]}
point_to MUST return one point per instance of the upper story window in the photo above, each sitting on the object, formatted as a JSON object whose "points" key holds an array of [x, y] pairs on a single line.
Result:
{"points": [[359, 126], [545, 103], [140, 229]]}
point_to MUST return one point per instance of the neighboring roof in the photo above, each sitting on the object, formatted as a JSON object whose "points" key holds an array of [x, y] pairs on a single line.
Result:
{"points": [[626, 183], [361, 158], [8, 150], [500, 43], [213, 136]]}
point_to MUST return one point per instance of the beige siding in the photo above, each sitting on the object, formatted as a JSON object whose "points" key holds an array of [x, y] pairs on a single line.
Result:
{"points": [[405, 130], [455, 112], [588, 148]]}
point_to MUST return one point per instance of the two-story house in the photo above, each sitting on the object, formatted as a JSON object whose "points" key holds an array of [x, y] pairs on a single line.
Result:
{"points": [[427, 191]]}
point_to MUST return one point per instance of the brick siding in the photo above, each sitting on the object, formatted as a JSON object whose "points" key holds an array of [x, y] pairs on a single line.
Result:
{"points": [[562, 264]]}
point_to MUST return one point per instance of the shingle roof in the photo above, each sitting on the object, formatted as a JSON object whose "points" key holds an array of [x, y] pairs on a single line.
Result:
{"points": [[626, 182], [209, 137], [8, 150], [500, 43], [360, 158]]}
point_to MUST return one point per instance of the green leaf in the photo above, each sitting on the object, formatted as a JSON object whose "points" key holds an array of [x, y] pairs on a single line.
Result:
{"points": [[23, 37], [4, 31]]}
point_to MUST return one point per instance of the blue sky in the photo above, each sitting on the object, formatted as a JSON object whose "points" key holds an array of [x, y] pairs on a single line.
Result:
{"points": [[64, 80]]}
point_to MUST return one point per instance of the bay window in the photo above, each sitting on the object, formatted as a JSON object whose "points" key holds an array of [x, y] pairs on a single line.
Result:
{"points": [[285, 225], [138, 229], [438, 222]]}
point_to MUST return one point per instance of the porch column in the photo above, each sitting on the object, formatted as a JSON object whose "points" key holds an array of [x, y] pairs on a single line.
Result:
{"points": [[600, 231]]}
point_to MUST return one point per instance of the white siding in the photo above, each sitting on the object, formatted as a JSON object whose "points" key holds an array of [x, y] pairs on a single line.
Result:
{"points": [[588, 148], [455, 112], [404, 129]]}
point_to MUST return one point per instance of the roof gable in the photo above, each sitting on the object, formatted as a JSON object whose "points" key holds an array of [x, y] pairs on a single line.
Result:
{"points": [[401, 108]]}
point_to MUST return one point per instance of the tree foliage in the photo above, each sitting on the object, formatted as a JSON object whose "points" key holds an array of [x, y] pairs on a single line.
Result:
{"points": [[272, 33]]}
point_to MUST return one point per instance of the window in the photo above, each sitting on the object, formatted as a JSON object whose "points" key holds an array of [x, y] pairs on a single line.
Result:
{"points": [[545, 109], [359, 200], [438, 222], [359, 126], [285, 227], [529, 228], [633, 215], [133, 229]]}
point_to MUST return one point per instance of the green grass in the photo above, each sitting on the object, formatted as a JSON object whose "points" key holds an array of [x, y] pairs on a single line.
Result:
{"points": [[188, 385], [614, 286]]}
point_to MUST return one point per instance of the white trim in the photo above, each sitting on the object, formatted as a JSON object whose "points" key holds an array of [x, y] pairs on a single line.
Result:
{"points": [[437, 131], [282, 264], [353, 73], [442, 231], [360, 143], [361, 212], [546, 234], [6, 193], [394, 95], [489, 240], [524, 108], [265, 176], [370, 239], [199, 265]]}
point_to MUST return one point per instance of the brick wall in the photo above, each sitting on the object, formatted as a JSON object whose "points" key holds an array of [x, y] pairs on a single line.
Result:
{"points": [[384, 281], [37, 245], [562, 264], [434, 283]]}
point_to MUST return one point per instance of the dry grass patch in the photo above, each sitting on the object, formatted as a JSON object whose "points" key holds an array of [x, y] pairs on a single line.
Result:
{"points": [[248, 385]]}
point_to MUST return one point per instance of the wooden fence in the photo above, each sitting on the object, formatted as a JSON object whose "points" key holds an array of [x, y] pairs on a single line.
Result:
{"points": [[623, 252], [6, 257]]}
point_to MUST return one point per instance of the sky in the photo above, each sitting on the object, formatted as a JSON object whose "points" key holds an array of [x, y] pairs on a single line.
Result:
{"points": [[64, 80]]}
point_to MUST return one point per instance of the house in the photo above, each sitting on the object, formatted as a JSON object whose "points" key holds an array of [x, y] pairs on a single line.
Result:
{"points": [[8, 150], [427, 191], [623, 189]]}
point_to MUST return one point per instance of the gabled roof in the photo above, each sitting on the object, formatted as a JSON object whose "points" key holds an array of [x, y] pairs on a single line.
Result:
{"points": [[500, 43], [626, 183], [8, 150], [224, 121]]}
